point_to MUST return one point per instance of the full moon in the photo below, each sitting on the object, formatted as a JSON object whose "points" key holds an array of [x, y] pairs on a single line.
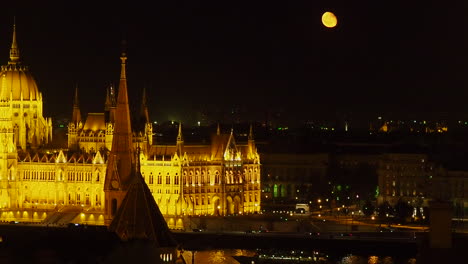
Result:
{"points": [[329, 19]]}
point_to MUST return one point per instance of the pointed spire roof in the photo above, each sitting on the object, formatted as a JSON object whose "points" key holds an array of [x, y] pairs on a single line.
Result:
{"points": [[180, 138], [251, 137], [121, 157], [76, 118], [180, 141], [139, 217], [144, 108], [14, 51], [110, 97], [107, 102], [76, 102], [218, 130]]}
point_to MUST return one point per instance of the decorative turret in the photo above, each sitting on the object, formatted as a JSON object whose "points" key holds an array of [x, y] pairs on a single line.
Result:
{"points": [[180, 141], [251, 144], [110, 104], [76, 123], [148, 124], [76, 117], [144, 115], [143, 126], [14, 51]]}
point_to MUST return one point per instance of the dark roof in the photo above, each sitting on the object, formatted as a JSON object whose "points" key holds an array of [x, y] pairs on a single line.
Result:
{"points": [[139, 217]]}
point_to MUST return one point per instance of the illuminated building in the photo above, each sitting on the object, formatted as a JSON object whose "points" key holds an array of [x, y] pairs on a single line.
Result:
{"points": [[80, 184], [404, 176]]}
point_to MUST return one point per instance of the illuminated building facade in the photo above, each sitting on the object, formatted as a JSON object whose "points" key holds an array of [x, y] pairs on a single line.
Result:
{"points": [[404, 176], [84, 183], [413, 178]]}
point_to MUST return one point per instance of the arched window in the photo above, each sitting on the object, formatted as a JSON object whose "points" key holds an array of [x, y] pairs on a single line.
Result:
{"points": [[151, 178], [176, 179], [159, 178], [168, 179], [217, 177]]}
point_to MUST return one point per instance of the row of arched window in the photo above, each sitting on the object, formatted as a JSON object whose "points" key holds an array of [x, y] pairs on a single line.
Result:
{"points": [[248, 198], [159, 179], [194, 177], [80, 176], [166, 257], [34, 175], [38, 175], [77, 198], [73, 199]]}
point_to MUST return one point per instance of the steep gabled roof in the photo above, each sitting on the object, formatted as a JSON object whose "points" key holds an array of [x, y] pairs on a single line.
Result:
{"points": [[218, 146], [139, 216]]}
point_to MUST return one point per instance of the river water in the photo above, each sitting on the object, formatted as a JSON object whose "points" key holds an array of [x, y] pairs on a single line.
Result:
{"points": [[226, 256]]}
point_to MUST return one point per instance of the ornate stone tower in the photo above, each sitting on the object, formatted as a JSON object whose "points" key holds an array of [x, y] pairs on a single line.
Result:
{"points": [[19, 89], [147, 131], [109, 115], [121, 163], [76, 123]]}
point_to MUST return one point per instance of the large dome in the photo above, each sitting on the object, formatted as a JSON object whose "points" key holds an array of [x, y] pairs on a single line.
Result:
{"points": [[15, 79], [18, 81]]}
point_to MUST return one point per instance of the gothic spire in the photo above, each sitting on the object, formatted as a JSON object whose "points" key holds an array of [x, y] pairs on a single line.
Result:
{"points": [[122, 146], [144, 108], [14, 51], [251, 144], [107, 103], [75, 100], [180, 138], [250, 137], [76, 118]]}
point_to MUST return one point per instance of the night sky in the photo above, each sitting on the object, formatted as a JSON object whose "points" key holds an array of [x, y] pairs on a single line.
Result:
{"points": [[385, 57]]}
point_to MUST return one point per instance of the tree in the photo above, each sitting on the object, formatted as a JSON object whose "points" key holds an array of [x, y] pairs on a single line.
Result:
{"points": [[368, 208], [403, 210], [385, 209]]}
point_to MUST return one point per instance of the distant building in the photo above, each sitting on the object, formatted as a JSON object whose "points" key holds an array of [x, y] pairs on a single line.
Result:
{"points": [[415, 179], [293, 177], [405, 176]]}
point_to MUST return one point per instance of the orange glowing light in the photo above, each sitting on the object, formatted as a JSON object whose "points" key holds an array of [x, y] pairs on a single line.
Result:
{"points": [[329, 19]]}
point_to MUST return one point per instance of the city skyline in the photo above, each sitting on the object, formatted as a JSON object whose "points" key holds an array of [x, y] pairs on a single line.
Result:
{"points": [[254, 58]]}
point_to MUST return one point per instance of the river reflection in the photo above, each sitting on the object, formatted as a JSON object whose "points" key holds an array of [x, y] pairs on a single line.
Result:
{"points": [[353, 259], [226, 256], [216, 256]]}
